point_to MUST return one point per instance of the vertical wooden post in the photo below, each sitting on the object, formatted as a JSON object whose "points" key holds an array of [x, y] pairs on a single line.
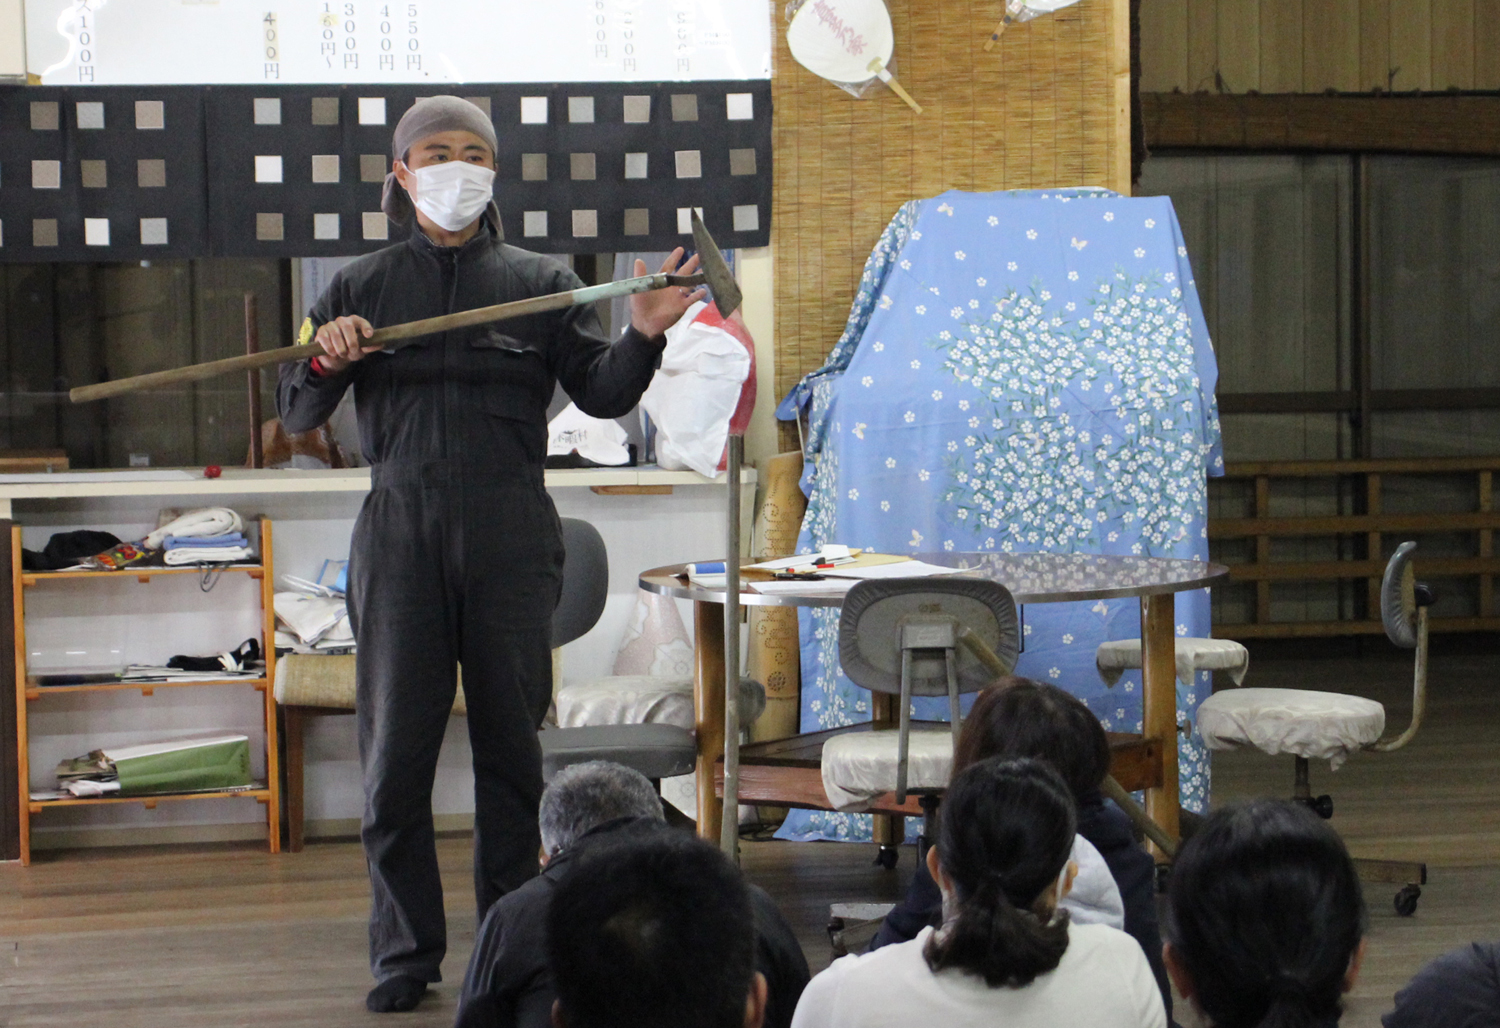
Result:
{"points": [[1486, 544], [708, 705], [1373, 548], [23, 762], [1159, 704], [268, 645], [1262, 551], [11, 784], [293, 722], [252, 345]]}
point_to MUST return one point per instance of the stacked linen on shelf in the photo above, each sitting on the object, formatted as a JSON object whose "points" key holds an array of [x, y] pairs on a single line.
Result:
{"points": [[211, 535], [212, 549]]}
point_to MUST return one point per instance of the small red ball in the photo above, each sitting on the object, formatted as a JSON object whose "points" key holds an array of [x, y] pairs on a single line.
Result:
{"points": [[212, 471]]}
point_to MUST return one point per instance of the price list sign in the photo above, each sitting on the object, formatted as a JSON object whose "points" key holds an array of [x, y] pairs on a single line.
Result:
{"points": [[246, 42]]}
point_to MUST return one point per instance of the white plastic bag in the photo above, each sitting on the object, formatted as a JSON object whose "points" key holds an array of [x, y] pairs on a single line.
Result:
{"points": [[706, 372]]}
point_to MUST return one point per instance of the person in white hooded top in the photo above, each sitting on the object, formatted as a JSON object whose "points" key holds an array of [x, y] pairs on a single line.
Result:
{"points": [[1005, 953]]}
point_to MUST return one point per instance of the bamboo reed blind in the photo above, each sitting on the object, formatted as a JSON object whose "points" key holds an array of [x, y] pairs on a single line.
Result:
{"points": [[1049, 106]]}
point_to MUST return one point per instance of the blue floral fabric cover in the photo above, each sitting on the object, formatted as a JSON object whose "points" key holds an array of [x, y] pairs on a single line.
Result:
{"points": [[1024, 372]]}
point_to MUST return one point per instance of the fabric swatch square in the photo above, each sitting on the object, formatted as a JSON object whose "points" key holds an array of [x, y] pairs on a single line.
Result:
{"points": [[533, 167], [372, 110], [153, 231], [689, 164], [585, 224], [635, 165], [637, 110], [44, 116], [95, 174], [268, 110], [580, 109], [46, 174], [482, 102], [44, 232], [740, 106], [637, 221], [269, 228], [684, 106], [150, 114], [151, 173], [95, 231], [372, 167], [325, 110], [534, 223], [581, 167], [747, 218], [325, 226], [685, 219], [268, 167], [533, 110], [90, 114], [325, 167], [375, 225], [742, 162]]}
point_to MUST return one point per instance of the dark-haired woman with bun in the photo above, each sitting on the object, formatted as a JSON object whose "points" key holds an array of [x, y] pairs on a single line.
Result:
{"points": [[1004, 954], [1266, 923], [1018, 717]]}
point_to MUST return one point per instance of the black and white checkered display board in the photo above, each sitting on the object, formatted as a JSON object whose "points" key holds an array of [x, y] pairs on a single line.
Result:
{"points": [[130, 172]]}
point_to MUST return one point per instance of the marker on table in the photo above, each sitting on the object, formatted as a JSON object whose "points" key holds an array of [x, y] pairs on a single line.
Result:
{"points": [[712, 567]]}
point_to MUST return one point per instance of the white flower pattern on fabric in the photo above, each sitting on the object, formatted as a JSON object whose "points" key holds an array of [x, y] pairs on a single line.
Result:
{"points": [[1098, 372]]}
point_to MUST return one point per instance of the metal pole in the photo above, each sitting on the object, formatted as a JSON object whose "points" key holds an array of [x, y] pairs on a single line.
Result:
{"points": [[252, 346], [729, 831]]}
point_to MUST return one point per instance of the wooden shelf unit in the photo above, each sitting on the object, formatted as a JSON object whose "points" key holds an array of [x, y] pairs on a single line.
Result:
{"points": [[267, 793], [1372, 529]]}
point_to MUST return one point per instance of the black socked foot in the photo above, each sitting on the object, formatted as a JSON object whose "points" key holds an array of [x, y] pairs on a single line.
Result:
{"points": [[396, 995]]}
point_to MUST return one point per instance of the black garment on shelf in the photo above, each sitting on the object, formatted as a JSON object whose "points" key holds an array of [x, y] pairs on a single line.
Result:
{"points": [[65, 549], [1109, 830], [457, 553], [509, 985], [244, 655]]}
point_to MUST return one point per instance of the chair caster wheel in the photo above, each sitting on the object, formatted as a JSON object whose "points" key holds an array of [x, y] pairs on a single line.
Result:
{"points": [[887, 856], [1406, 900], [1320, 805]]}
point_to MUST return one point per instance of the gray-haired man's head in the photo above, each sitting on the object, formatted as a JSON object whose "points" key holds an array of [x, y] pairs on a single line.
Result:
{"points": [[583, 796]]}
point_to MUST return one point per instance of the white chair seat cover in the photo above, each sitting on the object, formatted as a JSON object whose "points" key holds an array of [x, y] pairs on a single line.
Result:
{"points": [[1317, 725], [627, 700], [1115, 658], [860, 766]]}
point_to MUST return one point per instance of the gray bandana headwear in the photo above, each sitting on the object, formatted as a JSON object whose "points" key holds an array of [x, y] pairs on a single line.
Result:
{"points": [[425, 118]]}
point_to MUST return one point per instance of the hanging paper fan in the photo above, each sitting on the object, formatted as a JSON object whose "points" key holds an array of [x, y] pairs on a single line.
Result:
{"points": [[1024, 10], [848, 42]]}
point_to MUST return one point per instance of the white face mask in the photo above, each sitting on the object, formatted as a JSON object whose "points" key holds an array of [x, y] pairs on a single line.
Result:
{"points": [[452, 193]]}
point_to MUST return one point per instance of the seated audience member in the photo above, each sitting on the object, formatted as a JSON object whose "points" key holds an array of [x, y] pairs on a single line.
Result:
{"points": [[1005, 954], [1460, 989], [1266, 920], [654, 930], [509, 982], [1017, 717]]}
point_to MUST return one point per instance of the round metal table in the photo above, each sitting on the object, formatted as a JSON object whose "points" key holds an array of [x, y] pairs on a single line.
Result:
{"points": [[1031, 578]]}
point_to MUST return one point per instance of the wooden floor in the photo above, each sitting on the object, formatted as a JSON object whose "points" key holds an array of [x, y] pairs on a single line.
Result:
{"points": [[227, 936]]}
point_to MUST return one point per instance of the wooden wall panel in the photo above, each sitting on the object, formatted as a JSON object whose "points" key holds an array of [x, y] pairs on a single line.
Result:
{"points": [[1166, 45], [1042, 109], [1239, 44], [1330, 45], [1411, 44], [1374, 43], [1311, 46], [1280, 46]]}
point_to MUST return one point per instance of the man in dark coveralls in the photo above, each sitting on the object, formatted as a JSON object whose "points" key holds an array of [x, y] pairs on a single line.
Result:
{"points": [[457, 553]]}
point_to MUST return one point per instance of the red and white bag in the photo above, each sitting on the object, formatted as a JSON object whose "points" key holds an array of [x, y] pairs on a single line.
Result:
{"points": [[703, 391]]}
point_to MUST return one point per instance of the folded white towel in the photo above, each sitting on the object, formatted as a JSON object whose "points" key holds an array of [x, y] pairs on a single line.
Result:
{"points": [[196, 523], [207, 555]]}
